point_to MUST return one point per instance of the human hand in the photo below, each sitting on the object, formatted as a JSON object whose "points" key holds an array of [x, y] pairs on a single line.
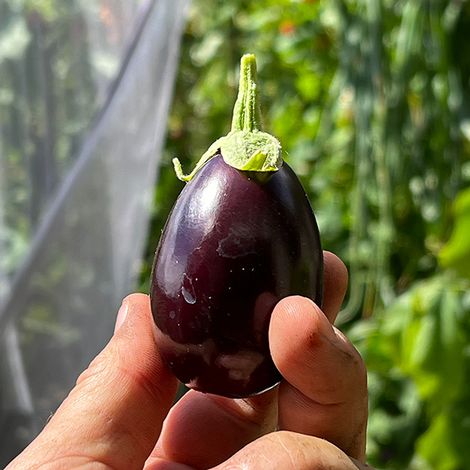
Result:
{"points": [[115, 415]]}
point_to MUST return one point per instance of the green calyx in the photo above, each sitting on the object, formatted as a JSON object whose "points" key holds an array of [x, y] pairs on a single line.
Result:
{"points": [[245, 147]]}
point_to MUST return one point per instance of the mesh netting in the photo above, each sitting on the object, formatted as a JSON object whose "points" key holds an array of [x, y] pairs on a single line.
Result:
{"points": [[82, 127]]}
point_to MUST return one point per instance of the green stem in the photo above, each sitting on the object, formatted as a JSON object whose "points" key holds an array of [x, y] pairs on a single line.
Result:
{"points": [[245, 147], [246, 112]]}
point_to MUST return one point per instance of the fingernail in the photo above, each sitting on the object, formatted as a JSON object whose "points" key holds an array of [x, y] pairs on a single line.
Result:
{"points": [[121, 316]]}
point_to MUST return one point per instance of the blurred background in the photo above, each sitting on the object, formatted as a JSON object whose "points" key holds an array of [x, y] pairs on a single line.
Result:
{"points": [[85, 89], [371, 101]]}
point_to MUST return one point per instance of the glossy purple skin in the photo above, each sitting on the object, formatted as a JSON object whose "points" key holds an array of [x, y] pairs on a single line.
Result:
{"points": [[231, 249]]}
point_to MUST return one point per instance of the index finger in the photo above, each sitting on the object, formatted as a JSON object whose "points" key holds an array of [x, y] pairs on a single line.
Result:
{"points": [[324, 393]]}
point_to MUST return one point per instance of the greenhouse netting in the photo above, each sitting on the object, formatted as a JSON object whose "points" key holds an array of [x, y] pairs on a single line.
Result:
{"points": [[84, 94]]}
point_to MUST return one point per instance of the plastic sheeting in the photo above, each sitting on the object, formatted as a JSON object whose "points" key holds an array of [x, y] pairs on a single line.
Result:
{"points": [[81, 224]]}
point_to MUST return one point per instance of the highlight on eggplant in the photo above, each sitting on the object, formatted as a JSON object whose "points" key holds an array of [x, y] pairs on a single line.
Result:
{"points": [[240, 237]]}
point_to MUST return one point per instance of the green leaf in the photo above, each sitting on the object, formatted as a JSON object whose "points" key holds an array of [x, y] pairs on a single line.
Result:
{"points": [[442, 456], [433, 340], [456, 253]]}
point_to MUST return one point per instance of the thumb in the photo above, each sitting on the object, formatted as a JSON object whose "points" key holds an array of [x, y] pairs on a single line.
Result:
{"points": [[114, 415], [284, 450]]}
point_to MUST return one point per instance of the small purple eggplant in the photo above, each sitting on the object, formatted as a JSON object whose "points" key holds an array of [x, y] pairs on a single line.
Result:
{"points": [[241, 236]]}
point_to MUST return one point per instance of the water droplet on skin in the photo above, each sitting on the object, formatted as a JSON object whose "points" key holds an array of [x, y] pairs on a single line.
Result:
{"points": [[188, 290], [190, 299]]}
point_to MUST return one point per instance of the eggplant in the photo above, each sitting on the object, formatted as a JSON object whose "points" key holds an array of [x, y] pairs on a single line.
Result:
{"points": [[240, 237]]}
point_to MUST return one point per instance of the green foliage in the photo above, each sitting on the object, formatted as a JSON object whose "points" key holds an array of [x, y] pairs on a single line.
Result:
{"points": [[370, 100], [420, 342], [456, 254], [47, 98]]}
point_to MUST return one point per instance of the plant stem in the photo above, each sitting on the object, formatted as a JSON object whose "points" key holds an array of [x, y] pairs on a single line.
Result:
{"points": [[246, 112]]}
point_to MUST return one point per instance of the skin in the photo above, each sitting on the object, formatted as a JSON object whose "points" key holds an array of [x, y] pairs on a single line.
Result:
{"points": [[120, 414]]}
